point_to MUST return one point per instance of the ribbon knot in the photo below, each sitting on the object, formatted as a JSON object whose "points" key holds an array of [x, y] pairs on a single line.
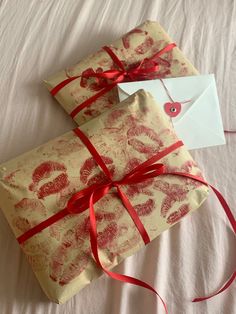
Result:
{"points": [[142, 70], [105, 81], [80, 200]]}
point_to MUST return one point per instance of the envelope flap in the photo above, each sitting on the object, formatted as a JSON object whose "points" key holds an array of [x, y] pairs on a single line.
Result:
{"points": [[180, 89], [131, 87], [205, 107], [205, 114]]}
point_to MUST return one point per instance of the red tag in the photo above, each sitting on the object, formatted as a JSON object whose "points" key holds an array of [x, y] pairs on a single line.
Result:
{"points": [[172, 108]]}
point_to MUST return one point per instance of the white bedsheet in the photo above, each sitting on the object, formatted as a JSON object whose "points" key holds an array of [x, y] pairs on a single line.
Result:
{"points": [[39, 37]]}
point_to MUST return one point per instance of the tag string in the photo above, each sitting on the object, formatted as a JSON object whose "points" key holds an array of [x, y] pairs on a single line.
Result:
{"points": [[168, 94], [186, 101]]}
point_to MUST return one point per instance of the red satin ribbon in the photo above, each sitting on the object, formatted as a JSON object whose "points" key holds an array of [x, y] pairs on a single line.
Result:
{"points": [[79, 202], [107, 80], [86, 198]]}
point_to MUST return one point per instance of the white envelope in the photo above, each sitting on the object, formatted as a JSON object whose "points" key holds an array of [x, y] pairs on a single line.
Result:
{"points": [[199, 123]]}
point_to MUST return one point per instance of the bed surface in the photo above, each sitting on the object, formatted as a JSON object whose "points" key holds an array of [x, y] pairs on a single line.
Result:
{"points": [[40, 37]]}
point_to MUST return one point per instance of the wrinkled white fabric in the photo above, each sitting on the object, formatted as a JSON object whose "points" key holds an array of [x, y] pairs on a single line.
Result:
{"points": [[40, 37]]}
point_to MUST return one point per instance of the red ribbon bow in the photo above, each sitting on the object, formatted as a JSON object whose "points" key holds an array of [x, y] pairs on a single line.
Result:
{"points": [[107, 80], [86, 198]]}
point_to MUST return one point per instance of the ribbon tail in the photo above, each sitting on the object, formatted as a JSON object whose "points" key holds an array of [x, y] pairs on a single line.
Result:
{"points": [[228, 283], [226, 208], [94, 247], [230, 216], [232, 221], [136, 282]]}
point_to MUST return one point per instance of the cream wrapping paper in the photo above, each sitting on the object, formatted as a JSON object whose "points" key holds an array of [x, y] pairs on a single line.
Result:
{"points": [[140, 43], [38, 184]]}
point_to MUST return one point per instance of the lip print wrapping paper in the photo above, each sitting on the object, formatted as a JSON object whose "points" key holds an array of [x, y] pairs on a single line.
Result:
{"points": [[38, 184], [142, 42]]}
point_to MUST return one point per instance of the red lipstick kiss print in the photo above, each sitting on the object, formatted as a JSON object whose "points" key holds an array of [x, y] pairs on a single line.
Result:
{"points": [[101, 104], [62, 271], [187, 166], [69, 259], [38, 254], [91, 84], [74, 269], [105, 216], [107, 235], [65, 147], [106, 208], [90, 166], [140, 188], [174, 193], [38, 262], [31, 205], [114, 118], [144, 140], [82, 230], [177, 215], [126, 37], [27, 207], [131, 239], [193, 183], [22, 224], [145, 46], [65, 266], [145, 208], [45, 171], [10, 179], [64, 195]]}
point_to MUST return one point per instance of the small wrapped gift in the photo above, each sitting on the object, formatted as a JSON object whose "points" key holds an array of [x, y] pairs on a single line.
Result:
{"points": [[48, 193], [88, 88]]}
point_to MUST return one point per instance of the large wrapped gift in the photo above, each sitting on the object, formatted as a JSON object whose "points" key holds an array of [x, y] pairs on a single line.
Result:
{"points": [[88, 88], [42, 200]]}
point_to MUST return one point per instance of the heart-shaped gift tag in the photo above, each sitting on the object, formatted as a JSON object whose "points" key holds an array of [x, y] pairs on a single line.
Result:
{"points": [[172, 108]]}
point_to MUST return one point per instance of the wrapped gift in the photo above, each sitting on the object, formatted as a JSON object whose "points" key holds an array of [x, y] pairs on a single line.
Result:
{"points": [[89, 87], [147, 165]]}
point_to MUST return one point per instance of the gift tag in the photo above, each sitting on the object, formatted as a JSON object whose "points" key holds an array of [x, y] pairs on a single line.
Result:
{"points": [[172, 109]]}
